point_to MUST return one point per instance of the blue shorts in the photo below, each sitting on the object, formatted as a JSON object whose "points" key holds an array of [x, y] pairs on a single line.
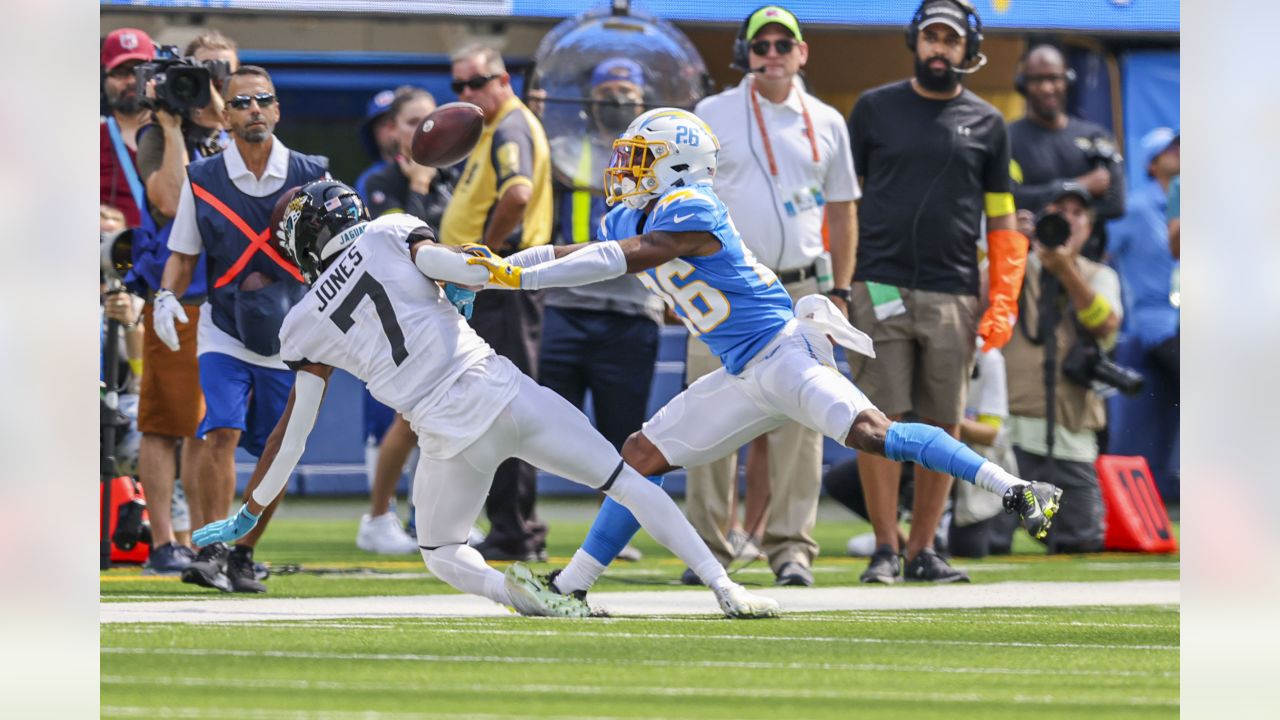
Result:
{"points": [[244, 396]]}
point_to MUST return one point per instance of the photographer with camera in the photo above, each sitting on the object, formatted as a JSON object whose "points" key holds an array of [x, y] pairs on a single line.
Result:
{"points": [[1069, 313], [1051, 148], [123, 50], [171, 402]]}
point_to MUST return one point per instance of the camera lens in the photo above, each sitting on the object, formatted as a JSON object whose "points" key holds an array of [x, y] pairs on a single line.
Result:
{"points": [[1052, 229], [184, 87]]}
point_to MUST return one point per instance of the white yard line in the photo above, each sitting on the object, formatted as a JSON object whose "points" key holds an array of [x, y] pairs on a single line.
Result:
{"points": [[648, 603]]}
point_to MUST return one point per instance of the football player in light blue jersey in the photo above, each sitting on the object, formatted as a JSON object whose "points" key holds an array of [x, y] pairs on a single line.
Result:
{"points": [[779, 363]]}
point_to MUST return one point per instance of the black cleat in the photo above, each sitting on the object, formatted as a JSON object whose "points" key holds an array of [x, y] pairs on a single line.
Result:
{"points": [[689, 577], [209, 569], [928, 566], [550, 580], [1036, 503], [885, 566], [241, 572]]}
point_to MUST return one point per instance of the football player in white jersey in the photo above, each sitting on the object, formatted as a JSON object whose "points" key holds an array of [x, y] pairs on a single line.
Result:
{"points": [[778, 362], [375, 310]]}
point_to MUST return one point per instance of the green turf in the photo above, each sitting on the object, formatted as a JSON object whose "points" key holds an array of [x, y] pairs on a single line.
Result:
{"points": [[311, 547], [994, 663]]}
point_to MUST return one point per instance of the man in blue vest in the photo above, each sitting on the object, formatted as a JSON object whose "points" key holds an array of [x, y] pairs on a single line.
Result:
{"points": [[224, 211]]}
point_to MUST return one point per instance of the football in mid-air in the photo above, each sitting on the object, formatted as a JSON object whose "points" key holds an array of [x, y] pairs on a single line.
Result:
{"points": [[448, 135]]}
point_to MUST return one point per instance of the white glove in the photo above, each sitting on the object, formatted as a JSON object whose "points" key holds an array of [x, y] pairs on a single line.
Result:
{"points": [[168, 309]]}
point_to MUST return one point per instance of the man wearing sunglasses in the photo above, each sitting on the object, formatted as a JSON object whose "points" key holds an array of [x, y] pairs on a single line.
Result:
{"points": [[785, 167], [171, 402], [224, 213], [504, 201]]}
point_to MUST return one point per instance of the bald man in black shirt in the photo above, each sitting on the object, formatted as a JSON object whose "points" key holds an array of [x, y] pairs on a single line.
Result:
{"points": [[1051, 148]]}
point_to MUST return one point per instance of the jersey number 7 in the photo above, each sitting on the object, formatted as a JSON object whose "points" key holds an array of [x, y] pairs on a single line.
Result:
{"points": [[369, 287]]}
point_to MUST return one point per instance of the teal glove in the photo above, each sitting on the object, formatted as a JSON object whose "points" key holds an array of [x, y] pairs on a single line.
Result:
{"points": [[226, 531], [461, 298]]}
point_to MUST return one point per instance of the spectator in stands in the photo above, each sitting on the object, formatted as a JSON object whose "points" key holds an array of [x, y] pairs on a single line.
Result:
{"points": [[785, 166], [119, 185], [1051, 148], [400, 186], [504, 201], [224, 212], [603, 337], [378, 137], [933, 157], [171, 403], [1087, 299], [1139, 250]]}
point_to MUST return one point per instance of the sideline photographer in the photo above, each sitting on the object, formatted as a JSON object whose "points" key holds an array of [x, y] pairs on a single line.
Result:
{"points": [[185, 94], [1070, 311]]}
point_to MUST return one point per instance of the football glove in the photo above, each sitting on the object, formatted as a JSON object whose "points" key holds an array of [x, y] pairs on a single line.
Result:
{"points": [[168, 310], [502, 274], [477, 250], [226, 531]]}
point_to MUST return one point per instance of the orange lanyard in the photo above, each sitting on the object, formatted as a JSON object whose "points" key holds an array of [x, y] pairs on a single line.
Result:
{"points": [[764, 134]]}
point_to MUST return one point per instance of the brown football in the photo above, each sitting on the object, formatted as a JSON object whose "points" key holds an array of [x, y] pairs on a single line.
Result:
{"points": [[448, 135]]}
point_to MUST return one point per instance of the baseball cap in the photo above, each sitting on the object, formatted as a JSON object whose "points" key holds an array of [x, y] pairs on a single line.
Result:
{"points": [[946, 12], [1155, 142], [618, 69], [126, 44], [1071, 188], [773, 14], [378, 106]]}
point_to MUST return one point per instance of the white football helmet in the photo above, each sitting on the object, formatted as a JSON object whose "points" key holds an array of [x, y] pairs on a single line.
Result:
{"points": [[661, 149]]}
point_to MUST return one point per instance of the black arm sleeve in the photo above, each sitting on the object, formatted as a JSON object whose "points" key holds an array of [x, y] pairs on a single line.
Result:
{"points": [[419, 234]]}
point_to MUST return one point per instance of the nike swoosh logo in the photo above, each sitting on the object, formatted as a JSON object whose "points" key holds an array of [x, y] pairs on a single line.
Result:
{"points": [[681, 218]]}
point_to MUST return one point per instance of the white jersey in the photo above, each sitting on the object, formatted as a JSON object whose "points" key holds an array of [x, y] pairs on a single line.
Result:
{"points": [[374, 314]]}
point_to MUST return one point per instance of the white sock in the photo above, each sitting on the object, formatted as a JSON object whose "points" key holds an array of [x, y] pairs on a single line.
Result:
{"points": [[996, 479], [580, 574], [464, 568], [658, 514]]}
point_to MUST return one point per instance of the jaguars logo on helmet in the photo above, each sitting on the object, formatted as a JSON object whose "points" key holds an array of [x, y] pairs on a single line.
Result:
{"points": [[319, 222], [661, 149]]}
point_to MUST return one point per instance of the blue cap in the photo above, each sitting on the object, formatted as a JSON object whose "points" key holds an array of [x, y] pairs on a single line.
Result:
{"points": [[378, 106], [1155, 142], [618, 69]]}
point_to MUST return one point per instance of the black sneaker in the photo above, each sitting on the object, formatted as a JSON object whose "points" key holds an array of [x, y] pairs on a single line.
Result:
{"points": [[241, 573], [689, 577], [496, 553], [209, 569], [928, 566], [885, 566], [168, 559], [795, 574], [1036, 503]]}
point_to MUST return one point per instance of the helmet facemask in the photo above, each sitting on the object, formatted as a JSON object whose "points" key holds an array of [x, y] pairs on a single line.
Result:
{"points": [[630, 176]]}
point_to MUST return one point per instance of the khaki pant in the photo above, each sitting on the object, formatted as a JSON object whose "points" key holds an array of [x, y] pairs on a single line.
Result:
{"points": [[795, 479]]}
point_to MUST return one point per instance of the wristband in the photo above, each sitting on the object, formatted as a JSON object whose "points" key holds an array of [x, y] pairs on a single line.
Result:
{"points": [[844, 293], [1097, 312]]}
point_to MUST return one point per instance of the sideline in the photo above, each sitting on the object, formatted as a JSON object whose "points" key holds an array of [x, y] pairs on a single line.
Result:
{"points": [[649, 603]]}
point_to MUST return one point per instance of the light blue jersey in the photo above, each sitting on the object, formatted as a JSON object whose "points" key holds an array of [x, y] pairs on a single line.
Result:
{"points": [[729, 300]]}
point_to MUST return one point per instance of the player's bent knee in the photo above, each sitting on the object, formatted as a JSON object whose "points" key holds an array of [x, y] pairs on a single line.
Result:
{"points": [[640, 453], [868, 432]]}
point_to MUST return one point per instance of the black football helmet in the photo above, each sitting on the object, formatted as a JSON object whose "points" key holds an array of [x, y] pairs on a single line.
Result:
{"points": [[311, 223]]}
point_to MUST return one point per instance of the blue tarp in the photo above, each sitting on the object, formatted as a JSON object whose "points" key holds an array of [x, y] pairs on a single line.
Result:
{"points": [[1151, 83]]}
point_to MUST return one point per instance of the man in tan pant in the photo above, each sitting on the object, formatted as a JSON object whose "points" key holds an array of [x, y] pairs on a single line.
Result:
{"points": [[785, 167]]}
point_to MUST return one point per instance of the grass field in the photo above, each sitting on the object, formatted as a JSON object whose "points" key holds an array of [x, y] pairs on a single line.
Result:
{"points": [[990, 663]]}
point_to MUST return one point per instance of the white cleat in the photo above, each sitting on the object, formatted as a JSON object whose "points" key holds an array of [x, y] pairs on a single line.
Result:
{"points": [[739, 604], [384, 536], [531, 597]]}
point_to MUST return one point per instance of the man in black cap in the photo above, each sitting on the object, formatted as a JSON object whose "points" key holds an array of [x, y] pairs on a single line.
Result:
{"points": [[933, 159]]}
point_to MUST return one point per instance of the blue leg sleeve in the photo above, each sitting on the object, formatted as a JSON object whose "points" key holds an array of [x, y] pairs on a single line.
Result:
{"points": [[613, 528], [932, 448]]}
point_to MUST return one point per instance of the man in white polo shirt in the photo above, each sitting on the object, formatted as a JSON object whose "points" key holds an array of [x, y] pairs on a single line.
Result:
{"points": [[785, 165]]}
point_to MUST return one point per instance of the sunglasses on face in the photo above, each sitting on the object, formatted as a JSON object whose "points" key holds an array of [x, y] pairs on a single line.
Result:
{"points": [[784, 47], [241, 102], [474, 83]]}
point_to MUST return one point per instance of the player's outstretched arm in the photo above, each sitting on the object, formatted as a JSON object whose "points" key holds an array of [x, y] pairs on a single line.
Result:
{"points": [[598, 261], [279, 457]]}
